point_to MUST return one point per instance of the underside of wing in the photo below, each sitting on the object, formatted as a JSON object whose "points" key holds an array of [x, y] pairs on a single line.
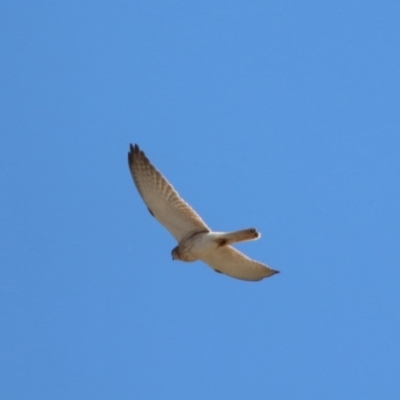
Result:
{"points": [[162, 200], [231, 262]]}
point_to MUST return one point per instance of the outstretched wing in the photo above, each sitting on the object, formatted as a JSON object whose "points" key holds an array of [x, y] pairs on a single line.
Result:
{"points": [[162, 200], [232, 262]]}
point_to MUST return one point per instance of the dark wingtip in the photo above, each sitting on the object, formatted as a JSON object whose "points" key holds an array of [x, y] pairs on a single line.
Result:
{"points": [[274, 271], [133, 150], [130, 155], [136, 155]]}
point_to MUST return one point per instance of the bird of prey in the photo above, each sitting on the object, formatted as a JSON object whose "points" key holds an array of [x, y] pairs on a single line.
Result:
{"points": [[195, 239]]}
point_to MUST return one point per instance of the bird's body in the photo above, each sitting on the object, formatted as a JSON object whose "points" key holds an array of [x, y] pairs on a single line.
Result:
{"points": [[195, 239], [198, 244]]}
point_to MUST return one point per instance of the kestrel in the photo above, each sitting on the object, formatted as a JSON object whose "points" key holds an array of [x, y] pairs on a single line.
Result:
{"points": [[195, 239]]}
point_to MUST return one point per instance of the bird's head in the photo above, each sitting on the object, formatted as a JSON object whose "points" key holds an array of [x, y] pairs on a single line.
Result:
{"points": [[175, 253]]}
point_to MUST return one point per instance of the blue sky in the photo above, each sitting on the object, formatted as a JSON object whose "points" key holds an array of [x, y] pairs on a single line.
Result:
{"points": [[281, 115]]}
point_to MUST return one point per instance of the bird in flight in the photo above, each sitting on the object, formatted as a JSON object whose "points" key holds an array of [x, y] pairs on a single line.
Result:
{"points": [[196, 241]]}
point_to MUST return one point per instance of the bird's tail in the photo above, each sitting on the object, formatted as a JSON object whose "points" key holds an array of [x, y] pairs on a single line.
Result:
{"points": [[243, 235]]}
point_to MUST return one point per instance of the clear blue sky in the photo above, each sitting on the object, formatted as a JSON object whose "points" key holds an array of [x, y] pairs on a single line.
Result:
{"points": [[282, 115]]}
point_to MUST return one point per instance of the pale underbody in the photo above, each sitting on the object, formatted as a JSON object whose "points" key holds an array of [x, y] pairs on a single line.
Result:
{"points": [[197, 245]]}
